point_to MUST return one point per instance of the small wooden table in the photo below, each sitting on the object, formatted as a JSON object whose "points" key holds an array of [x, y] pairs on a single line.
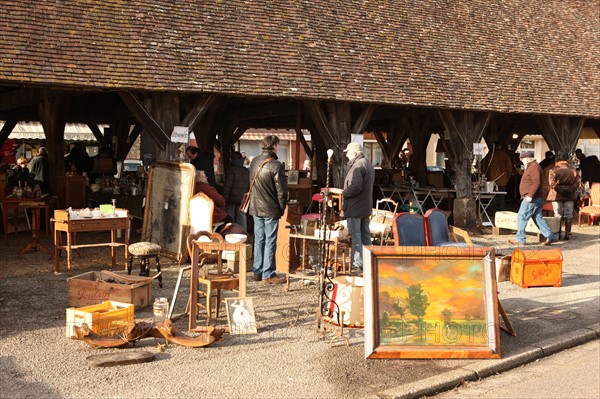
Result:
{"points": [[12, 202], [64, 223]]}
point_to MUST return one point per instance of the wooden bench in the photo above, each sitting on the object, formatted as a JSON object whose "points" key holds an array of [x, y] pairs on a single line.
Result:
{"points": [[506, 223]]}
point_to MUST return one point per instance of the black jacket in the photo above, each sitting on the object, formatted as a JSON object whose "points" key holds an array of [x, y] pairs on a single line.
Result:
{"points": [[358, 188], [270, 192]]}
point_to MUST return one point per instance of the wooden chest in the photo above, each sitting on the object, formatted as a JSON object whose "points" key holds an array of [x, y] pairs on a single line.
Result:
{"points": [[96, 287], [536, 267]]}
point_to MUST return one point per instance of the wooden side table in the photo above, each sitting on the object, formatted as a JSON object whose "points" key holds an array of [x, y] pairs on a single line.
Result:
{"points": [[68, 225]]}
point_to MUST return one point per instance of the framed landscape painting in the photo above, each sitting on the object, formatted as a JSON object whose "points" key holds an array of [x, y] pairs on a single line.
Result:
{"points": [[166, 214], [430, 302]]}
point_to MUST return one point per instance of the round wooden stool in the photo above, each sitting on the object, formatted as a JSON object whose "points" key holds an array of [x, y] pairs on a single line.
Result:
{"points": [[144, 251]]}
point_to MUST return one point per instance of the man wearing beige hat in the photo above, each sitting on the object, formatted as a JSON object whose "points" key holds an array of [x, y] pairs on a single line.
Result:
{"points": [[358, 201], [532, 194]]}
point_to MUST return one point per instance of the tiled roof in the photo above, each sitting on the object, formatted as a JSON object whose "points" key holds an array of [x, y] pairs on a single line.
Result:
{"points": [[533, 56]]}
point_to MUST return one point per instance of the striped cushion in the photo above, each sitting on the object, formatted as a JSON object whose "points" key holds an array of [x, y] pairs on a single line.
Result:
{"points": [[144, 248]]}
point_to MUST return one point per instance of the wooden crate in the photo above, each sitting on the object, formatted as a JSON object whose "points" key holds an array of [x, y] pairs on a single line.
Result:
{"points": [[536, 268], [107, 318], [89, 289]]}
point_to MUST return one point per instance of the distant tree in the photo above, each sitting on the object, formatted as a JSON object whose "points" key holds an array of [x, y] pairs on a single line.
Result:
{"points": [[417, 301], [446, 316], [467, 317]]}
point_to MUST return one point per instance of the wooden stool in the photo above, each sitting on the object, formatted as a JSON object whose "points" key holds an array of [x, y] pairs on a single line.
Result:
{"points": [[144, 251], [35, 225]]}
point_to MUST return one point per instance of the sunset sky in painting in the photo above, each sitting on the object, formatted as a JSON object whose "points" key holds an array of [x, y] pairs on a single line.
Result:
{"points": [[456, 284]]}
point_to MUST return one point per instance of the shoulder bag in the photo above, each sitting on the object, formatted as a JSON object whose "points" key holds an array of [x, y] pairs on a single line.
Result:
{"points": [[245, 204]]}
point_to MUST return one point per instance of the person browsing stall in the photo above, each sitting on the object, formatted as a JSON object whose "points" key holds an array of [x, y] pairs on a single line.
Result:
{"points": [[532, 201], [237, 183], [358, 201], [268, 200]]}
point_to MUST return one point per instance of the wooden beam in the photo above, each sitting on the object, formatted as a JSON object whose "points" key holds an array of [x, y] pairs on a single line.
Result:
{"points": [[97, 133], [148, 122], [7, 129], [24, 97], [193, 117], [363, 120], [317, 115]]}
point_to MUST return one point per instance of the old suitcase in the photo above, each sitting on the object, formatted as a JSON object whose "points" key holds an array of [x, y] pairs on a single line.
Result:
{"points": [[536, 268]]}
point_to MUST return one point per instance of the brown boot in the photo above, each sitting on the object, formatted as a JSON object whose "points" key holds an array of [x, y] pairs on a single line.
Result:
{"points": [[568, 225], [560, 227]]}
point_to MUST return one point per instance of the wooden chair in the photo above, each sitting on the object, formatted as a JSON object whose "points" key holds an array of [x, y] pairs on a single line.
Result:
{"points": [[409, 229], [592, 210], [202, 276], [201, 213], [438, 233]]}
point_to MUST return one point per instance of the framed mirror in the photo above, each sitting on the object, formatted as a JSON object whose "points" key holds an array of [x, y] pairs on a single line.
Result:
{"points": [[166, 215]]}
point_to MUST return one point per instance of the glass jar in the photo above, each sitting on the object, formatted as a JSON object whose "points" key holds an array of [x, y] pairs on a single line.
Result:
{"points": [[160, 310]]}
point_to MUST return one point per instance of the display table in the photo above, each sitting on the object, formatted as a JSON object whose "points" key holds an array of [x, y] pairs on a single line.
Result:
{"points": [[133, 203], [12, 202], [69, 225], [484, 200]]}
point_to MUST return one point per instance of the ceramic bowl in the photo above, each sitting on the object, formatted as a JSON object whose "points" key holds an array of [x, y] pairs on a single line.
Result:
{"points": [[236, 238]]}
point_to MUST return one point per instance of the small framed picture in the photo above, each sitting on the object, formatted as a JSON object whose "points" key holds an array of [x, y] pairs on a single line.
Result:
{"points": [[293, 176], [240, 316]]}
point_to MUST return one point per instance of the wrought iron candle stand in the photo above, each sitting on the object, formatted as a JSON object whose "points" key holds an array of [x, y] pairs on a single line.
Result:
{"points": [[327, 306]]}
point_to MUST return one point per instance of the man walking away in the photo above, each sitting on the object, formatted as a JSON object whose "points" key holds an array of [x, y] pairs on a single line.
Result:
{"points": [[532, 201], [358, 201], [268, 200], [563, 182]]}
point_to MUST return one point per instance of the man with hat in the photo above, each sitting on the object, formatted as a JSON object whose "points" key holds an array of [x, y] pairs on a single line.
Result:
{"points": [[532, 195], [358, 201]]}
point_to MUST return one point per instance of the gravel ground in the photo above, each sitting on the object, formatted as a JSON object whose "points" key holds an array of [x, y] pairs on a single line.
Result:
{"points": [[285, 359]]}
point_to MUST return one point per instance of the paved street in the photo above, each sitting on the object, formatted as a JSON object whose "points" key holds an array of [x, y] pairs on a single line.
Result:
{"points": [[573, 373]]}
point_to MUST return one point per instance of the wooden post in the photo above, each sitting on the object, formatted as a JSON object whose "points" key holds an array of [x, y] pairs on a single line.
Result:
{"points": [[561, 132], [463, 128], [53, 111], [166, 112], [418, 125]]}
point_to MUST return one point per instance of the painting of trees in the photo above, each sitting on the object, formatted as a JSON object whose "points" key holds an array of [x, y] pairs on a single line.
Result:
{"points": [[417, 301], [446, 316]]}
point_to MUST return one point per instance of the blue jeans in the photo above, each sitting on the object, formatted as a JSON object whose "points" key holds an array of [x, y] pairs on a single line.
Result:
{"points": [[265, 244], [361, 235], [533, 210], [238, 217]]}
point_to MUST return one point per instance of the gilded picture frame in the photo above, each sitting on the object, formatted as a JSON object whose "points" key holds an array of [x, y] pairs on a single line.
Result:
{"points": [[430, 302], [166, 214]]}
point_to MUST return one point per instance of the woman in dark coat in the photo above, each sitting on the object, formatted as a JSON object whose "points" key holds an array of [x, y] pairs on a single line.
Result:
{"points": [[237, 183]]}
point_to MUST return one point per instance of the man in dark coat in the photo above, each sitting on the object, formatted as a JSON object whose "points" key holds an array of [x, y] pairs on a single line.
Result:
{"points": [[237, 183], [358, 201], [202, 160], [563, 183], [532, 201], [268, 200]]}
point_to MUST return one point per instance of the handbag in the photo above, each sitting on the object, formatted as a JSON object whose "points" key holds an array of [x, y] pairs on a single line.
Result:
{"points": [[245, 204]]}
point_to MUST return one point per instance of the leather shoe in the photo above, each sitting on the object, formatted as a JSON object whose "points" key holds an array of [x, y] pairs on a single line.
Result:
{"points": [[548, 242], [516, 243], [274, 280], [256, 278]]}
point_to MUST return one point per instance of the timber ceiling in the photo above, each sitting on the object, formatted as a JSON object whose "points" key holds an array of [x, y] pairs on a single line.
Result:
{"points": [[526, 56]]}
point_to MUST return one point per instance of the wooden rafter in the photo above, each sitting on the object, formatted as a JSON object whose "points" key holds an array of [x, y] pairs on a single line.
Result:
{"points": [[193, 117], [136, 107], [7, 129], [97, 133]]}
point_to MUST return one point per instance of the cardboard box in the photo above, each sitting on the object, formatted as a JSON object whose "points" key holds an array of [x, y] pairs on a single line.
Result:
{"points": [[508, 220], [536, 268], [106, 319], [93, 287]]}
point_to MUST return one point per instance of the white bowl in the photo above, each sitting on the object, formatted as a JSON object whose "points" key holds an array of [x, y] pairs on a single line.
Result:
{"points": [[236, 238]]}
